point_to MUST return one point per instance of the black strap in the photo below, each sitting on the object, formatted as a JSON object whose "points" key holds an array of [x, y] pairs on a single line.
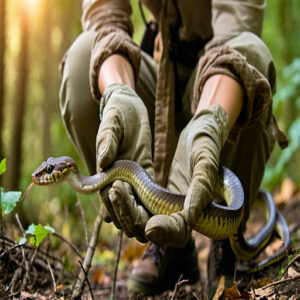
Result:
{"points": [[150, 33]]}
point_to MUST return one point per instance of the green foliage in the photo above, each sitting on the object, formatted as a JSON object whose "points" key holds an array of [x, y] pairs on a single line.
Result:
{"points": [[2, 166], [288, 96], [290, 90], [8, 200], [38, 234]]}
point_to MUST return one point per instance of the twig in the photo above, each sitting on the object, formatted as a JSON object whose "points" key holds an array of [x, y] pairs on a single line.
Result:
{"points": [[24, 259], [195, 295], [86, 278], [20, 225], [24, 235], [88, 258], [29, 267], [17, 274], [113, 290], [177, 285], [78, 204], [3, 237], [295, 278], [288, 266], [73, 247], [52, 275], [12, 248], [30, 248]]}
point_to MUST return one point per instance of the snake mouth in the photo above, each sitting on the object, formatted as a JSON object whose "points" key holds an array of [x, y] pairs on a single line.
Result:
{"points": [[43, 179], [38, 180]]}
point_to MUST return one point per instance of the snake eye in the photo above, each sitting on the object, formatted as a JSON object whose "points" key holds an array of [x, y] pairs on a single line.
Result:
{"points": [[49, 169]]}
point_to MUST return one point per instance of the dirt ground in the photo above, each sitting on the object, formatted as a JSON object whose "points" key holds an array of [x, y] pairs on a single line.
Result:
{"points": [[45, 271]]}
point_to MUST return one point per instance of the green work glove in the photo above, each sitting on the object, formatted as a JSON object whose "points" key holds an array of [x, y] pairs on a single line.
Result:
{"points": [[124, 133], [194, 172]]}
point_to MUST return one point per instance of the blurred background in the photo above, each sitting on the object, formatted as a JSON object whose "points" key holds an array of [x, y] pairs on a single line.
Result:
{"points": [[35, 34]]}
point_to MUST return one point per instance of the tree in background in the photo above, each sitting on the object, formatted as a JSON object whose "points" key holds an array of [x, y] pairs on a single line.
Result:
{"points": [[47, 81], [19, 105], [2, 51]]}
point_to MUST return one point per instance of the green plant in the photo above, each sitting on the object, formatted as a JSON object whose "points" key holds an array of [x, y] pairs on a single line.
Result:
{"points": [[37, 234], [8, 202], [287, 95]]}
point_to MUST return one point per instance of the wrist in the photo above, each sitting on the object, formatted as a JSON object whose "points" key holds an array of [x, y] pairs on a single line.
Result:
{"points": [[115, 69]]}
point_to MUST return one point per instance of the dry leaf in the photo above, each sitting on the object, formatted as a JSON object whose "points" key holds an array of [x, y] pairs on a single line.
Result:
{"points": [[259, 283], [231, 293], [294, 298], [246, 295], [288, 189], [292, 272], [101, 278], [260, 293], [220, 289], [133, 250]]}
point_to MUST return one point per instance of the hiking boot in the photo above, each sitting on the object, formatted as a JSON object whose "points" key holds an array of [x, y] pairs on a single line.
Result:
{"points": [[221, 261], [160, 268]]}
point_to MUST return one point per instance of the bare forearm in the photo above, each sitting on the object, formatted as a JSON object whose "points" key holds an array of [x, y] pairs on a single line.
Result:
{"points": [[225, 91], [115, 69]]}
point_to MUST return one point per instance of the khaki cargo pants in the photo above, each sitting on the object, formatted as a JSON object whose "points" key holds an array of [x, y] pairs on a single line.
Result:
{"points": [[247, 157]]}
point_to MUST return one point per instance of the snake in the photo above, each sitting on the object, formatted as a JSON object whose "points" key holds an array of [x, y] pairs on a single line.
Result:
{"points": [[216, 221]]}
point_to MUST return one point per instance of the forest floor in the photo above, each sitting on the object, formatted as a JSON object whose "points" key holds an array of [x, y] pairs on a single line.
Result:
{"points": [[32, 273]]}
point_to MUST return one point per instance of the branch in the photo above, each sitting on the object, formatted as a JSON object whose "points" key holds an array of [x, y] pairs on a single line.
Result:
{"points": [[287, 267], [112, 296], [73, 247], [83, 220], [86, 277], [77, 292], [178, 284], [282, 281]]}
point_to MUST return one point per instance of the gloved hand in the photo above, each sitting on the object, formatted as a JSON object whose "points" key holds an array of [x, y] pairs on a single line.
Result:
{"points": [[124, 133], [194, 171]]}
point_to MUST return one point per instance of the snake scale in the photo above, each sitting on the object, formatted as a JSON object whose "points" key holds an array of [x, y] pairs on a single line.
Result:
{"points": [[216, 221]]}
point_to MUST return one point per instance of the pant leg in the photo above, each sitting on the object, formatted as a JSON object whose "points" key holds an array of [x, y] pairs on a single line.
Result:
{"points": [[79, 111]]}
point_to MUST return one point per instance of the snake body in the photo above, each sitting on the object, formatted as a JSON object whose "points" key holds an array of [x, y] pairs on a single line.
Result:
{"points": [[216, 221]]}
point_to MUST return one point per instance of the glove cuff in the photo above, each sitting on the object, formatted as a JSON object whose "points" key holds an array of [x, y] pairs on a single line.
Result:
{"points": [[120, 89], [216, 120]]}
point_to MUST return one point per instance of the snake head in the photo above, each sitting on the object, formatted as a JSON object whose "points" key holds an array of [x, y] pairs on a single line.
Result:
{"points": [[54, 170]]}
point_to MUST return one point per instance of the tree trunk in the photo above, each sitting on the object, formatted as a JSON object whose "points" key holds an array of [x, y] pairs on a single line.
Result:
{"points": [[47, 78], [2, 50], [15, 159]]}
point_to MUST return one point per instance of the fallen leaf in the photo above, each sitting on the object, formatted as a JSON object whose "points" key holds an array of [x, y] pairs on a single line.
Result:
{"points": [[246, 295], [231, 293], [287, 190], [261, 293], [132, 251], [258, 283], [101, 278], [292, 272], [220, 289]]}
